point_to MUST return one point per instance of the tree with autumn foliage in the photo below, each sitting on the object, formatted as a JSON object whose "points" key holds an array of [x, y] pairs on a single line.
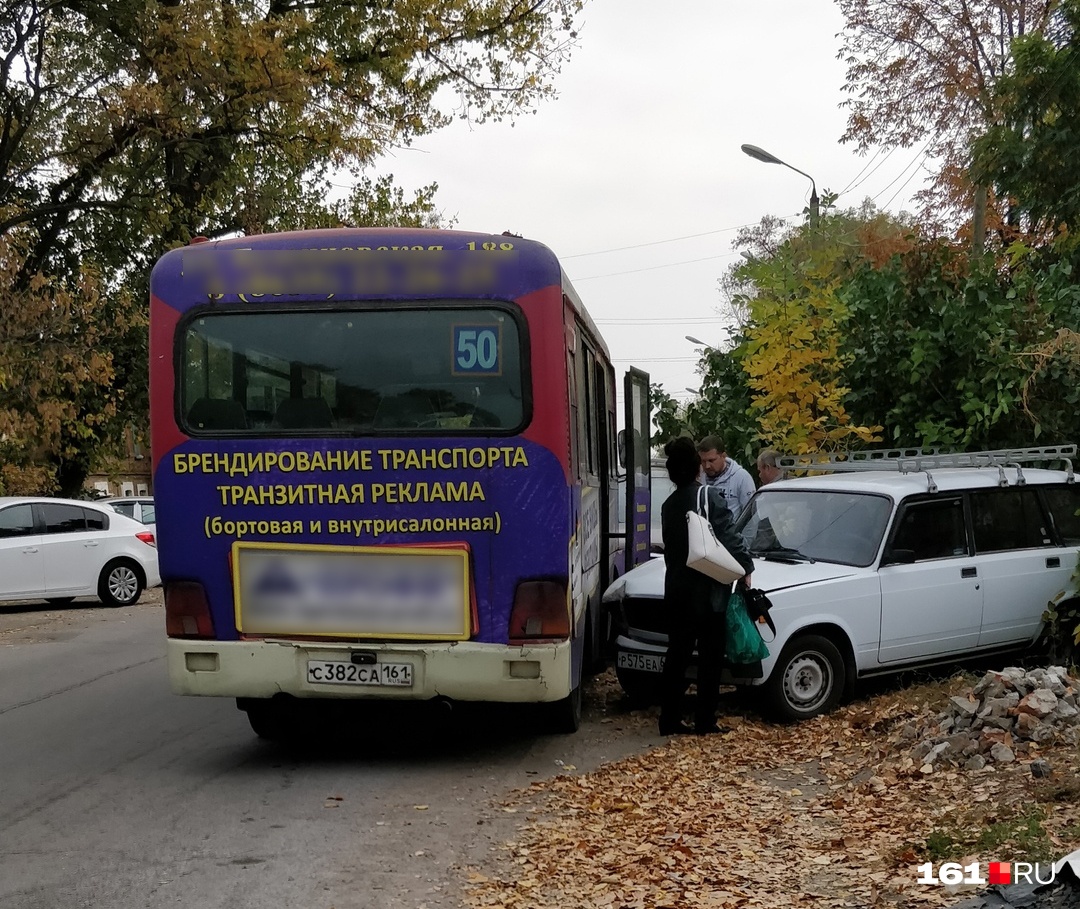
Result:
{"points": [[781, 383], [128, 128], [924, 73], [58, 379], [867, 327]]}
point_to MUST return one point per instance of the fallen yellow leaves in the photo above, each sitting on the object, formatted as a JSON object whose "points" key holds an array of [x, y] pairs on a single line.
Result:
{"points": [[822, 814]]}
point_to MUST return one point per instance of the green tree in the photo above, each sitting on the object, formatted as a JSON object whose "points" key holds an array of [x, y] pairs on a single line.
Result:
{"points": [[130, 127], [1029, 154], [935, 349], [722, 408]]}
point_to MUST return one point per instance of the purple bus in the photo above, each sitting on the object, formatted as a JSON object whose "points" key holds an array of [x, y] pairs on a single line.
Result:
{"points": [[386, 466]]}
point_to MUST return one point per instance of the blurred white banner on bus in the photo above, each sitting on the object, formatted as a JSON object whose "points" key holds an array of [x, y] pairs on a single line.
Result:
{"points": [[354, 591]]}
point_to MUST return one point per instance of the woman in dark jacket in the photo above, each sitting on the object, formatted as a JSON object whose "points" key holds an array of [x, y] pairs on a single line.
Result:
{"points": [[695, 604]]}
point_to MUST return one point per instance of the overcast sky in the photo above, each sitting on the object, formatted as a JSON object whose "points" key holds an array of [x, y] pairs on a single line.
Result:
{"points": [[641, 149]]}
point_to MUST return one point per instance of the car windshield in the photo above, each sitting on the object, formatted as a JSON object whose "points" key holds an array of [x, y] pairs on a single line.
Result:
{"points": [[804, 525]]}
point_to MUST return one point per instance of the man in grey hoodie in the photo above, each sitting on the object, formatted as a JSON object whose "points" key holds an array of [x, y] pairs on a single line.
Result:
{"points": [[723, 474]]}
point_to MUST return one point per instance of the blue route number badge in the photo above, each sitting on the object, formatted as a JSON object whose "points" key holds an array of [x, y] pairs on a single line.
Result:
{"points": [[477, 350]]}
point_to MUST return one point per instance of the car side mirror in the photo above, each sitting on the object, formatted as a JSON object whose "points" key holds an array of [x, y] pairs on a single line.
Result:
{"points": [[622, 447], [899, 557]]}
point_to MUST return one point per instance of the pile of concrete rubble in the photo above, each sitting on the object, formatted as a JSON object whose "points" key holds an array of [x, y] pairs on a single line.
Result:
{"points": [[997, 722]]}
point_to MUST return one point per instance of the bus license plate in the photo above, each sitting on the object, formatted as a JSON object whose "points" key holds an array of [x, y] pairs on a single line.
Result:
{"points": [[643, 662], [338, 672]]}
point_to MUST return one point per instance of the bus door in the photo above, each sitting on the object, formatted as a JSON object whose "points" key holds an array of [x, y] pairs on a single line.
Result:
{"points": [[637, 461], [607, 471]]}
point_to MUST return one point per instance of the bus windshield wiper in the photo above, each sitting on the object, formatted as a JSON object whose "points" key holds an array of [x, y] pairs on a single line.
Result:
{"points": [[781, 554]]}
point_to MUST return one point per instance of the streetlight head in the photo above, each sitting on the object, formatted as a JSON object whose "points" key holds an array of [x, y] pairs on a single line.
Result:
{"points": [[693, 391], [754, 152], [694, 340]]}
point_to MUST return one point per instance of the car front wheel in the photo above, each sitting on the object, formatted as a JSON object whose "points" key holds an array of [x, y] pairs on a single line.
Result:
{"points": [[120, 583], [808, 679]]}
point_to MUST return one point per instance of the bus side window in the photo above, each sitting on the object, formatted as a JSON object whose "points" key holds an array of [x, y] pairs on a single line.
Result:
{"points": [[577, 455], [589, 422]]}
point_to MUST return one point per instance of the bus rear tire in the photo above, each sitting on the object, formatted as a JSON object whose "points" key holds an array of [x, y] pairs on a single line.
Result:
{"points": [[269, 719], [564, 717]]}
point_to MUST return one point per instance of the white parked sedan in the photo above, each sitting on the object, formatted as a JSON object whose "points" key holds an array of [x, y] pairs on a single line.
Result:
{"points": [[910, 563], [59, 549]]}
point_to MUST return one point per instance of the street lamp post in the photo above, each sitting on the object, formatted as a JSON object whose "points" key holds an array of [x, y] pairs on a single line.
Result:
{"points": [[706, 350], [761, 155]]}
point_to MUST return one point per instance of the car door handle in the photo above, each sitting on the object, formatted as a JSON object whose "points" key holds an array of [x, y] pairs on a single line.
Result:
{"points": [[30, 551], [969, 572], [90, 544], [1053, 562]]}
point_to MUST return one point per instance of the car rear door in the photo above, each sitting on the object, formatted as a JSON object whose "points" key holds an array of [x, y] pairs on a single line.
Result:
{"points": [[931, 594], [1021, 566], [22, 560], [73, 553]]}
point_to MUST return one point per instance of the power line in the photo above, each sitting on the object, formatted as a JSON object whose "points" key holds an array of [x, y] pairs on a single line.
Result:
{"points": [[707, 233], [854, 185], [917, 160], [902, 185], [635, 271], [860, 173], [633, 321], [656, 359]]}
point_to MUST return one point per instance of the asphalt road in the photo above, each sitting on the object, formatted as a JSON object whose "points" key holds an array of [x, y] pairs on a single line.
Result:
{"points": [[117, 794]]}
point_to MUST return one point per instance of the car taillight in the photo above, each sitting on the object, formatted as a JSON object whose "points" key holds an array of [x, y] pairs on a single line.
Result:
{"points": [[147, 537], [187, 611], [540, 613]]}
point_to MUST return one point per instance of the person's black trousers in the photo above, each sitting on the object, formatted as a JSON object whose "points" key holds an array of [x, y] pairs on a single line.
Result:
{"points": [[707, 631]]}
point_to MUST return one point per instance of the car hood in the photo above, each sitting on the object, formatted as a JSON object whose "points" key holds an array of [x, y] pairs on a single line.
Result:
{"points": [[772, 576], [647, 580]]}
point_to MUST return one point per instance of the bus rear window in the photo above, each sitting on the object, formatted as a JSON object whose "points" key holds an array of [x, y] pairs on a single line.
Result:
{"points": [[452, 371]]}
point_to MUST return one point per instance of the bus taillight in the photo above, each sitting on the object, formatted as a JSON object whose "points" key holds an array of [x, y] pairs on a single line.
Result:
{"points": [[187, 611], [540, 613]]}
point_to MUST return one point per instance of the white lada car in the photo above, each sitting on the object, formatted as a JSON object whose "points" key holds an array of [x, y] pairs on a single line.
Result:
{"points": [[896, 562]]}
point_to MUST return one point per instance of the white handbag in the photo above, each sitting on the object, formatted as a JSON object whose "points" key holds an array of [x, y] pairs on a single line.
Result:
{"points": [[707, 554]]}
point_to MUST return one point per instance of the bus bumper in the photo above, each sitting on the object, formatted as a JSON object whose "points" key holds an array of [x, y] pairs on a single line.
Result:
{"points": [[459, 670]]}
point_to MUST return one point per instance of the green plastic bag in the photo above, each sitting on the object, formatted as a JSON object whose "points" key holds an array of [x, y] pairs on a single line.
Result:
{"points": [[743, 644]]}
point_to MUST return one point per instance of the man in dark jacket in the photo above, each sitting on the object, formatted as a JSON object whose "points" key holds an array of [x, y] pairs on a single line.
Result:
{"points": [[695, 604]]}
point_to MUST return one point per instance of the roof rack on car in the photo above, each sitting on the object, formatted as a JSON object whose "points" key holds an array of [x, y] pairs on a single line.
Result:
{"points": [[916, 460]]}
